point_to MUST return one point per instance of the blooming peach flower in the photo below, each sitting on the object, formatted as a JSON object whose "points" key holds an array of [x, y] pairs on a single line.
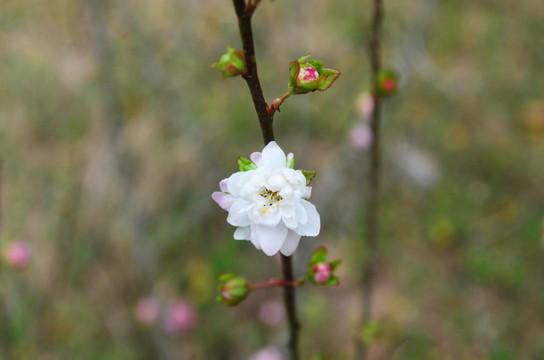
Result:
{"points": [[268, 202]]}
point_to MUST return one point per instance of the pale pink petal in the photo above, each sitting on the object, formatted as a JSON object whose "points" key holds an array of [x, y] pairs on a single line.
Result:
{"points": [[313, 225], [223, 185], [223, 200], [290, 244], [273, 156], [256, 158], [307, 192], [271, 238]]}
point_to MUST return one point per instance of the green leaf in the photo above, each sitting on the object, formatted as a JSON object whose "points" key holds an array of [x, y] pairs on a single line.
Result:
{"points": [[246, 164], [334, 264], [309, 175], [333, 281], [303, 59]]}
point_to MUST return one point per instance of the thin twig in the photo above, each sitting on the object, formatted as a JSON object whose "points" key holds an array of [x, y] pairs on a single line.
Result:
{"points": [[266, 120], [374, 173]]}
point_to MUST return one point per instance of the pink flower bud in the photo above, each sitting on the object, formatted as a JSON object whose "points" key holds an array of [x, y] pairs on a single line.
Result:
{"points": [[17, 254], [179, 317], [361, 137], [322, 272], [146, 310], [307, 73]]}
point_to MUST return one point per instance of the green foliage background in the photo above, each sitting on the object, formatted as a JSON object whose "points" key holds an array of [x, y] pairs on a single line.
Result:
{"points": [[115, 130]]}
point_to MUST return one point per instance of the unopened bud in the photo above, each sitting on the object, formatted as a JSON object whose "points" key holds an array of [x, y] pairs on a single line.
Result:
{"points": [[306, 76], [320, 271], [233, 289], [231, 63], [387, 82]]}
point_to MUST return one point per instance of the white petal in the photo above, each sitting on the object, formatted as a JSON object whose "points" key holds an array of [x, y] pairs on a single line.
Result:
{"points": [[237, 216], [254, 238], [307, 192], [271, 238], [223, 200], [300, 213], [223, 185], [290, 244], [273, 156], [236, 182], [242, 233], [312, 227]]}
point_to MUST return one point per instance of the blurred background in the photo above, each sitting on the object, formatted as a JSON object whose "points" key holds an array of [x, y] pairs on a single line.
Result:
{"points": [[115, 130]]}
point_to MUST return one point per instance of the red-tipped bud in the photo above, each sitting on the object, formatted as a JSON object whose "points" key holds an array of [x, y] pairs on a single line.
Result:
{"points": [[306, 76], [387, 82]]}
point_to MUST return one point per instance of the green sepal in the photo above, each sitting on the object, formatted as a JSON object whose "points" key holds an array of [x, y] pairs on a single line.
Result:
{"points": [[318, 65], [328, 76], [334, 264], [319, 256], [333, 281], [246, 164], [294, 69], [309, 175]]}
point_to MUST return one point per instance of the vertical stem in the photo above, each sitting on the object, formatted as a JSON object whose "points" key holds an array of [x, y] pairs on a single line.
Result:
{"points": [[266, 120], [290, 307], [373, 193]]}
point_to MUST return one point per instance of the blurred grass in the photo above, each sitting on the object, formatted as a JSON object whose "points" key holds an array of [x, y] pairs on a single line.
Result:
{"points": [[115, 131]]}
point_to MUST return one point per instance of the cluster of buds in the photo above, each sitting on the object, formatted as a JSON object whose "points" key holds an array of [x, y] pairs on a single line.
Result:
{"points": [[233, 289], [231, 63], [320, 271], [387, 82]]}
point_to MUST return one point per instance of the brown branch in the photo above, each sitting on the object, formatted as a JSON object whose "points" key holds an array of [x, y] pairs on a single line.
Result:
{"points": [[373, 193], [266, 120]]}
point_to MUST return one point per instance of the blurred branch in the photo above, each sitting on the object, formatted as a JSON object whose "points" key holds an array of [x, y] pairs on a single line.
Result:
{"points": [[265, 119], [373, 194]]}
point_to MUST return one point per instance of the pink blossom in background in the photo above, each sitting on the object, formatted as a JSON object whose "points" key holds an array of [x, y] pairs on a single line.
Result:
{"points": [[268, 353], [146, 310], [179, 317], [360, 136], [271, 313], [365, 105], [17, 254]]}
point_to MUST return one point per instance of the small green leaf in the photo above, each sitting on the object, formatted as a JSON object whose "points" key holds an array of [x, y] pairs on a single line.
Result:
{"points": [[309, 175], [334, 264], [246, 164], [318, 65]]}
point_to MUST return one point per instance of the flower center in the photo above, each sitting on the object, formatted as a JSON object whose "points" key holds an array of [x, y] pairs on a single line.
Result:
{"points": [[271, 198]]}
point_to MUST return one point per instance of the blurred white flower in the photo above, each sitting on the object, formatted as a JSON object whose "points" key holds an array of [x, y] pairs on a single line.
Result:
{"points": [[268, 353], [360, 136], [417, 166], [268, 203]]}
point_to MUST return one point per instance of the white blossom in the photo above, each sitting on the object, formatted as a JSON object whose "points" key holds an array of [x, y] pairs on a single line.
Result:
{"points": [[269, 203]]}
